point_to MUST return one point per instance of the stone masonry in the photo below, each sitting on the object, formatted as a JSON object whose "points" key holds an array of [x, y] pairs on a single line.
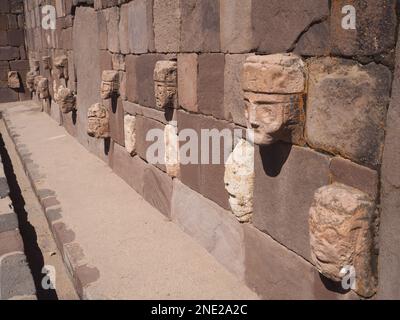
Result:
{"points": [[300, 100]]}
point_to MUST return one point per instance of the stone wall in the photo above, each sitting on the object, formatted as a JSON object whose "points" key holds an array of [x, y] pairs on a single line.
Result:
{"points": [[313, 204], [13, 60]]}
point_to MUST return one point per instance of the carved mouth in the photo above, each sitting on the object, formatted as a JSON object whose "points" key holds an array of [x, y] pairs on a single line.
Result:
{"points": [[255, 125]]}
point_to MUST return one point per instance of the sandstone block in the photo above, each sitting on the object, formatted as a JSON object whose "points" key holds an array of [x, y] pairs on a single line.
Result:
{"points": [[116, 120], [214, 228], [356, 176], [236, 26], [187, 81], [341, 219], [234, 106], [157, 189], [291, 175], [200, 26], [167, 18], [278, 24], [140, 26], [210, 90], [9, 53], [172, 162], [130, 169], [375, 27], [274, 272], [130, 133], [346, 108]]}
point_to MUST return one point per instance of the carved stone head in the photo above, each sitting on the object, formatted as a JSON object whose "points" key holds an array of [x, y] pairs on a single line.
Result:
{"points": [[35, 65], [109, 84], [30, 80], [165, 82], [341, 220], [46, 62], [61, 67], [239, 180], [98, 122], [274, 87], [66, 100], [14, 80], [42, 87]]}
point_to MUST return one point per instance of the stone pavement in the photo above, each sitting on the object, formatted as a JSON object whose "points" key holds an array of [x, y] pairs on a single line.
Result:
{"points": [[115, 244], [16, 282]]}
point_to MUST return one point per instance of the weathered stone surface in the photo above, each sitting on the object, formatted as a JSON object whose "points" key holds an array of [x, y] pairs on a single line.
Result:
{"points": [[202, 169], [9, 53], [8, 95], [13, 80], [116, 120], [172, 162], [274, 272], [341, 220], [233, 93], [150, 133], [109, 84], [236, 26], [157, 189], [316, 41], [66, 99], [291, 175], [165, 84], [389, 235], [200, 26], [130, 169], [15, 37], [278, 24], [145, 65], [356, 176], [274, 74], [140, 26], [214, 228], [375, 27], [130, 133], [112, 19], [47, 64], [167, 25], [123, 32], [98, 122], [88, 71], [118, 62], [346, 108], [163, 116], [210, 84], [187, 81], [42, 87], [131, 78], [239, 180]]}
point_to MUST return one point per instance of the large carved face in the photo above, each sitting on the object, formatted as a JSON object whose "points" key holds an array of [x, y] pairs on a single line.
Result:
{"points": [[65, 99], [98, 122], [165, 79], [109, 84], [265, 119], [43, 87], [239, 180]]}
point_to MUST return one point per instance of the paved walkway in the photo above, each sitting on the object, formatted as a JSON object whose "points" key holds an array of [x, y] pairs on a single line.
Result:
{"points": [[114, 243]]}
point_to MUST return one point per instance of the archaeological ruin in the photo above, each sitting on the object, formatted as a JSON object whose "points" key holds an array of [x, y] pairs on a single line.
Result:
{"points": [[263, 133]]}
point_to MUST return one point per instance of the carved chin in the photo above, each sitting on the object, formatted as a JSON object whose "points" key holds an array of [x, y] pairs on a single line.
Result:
{"points": [[263, 139]]}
